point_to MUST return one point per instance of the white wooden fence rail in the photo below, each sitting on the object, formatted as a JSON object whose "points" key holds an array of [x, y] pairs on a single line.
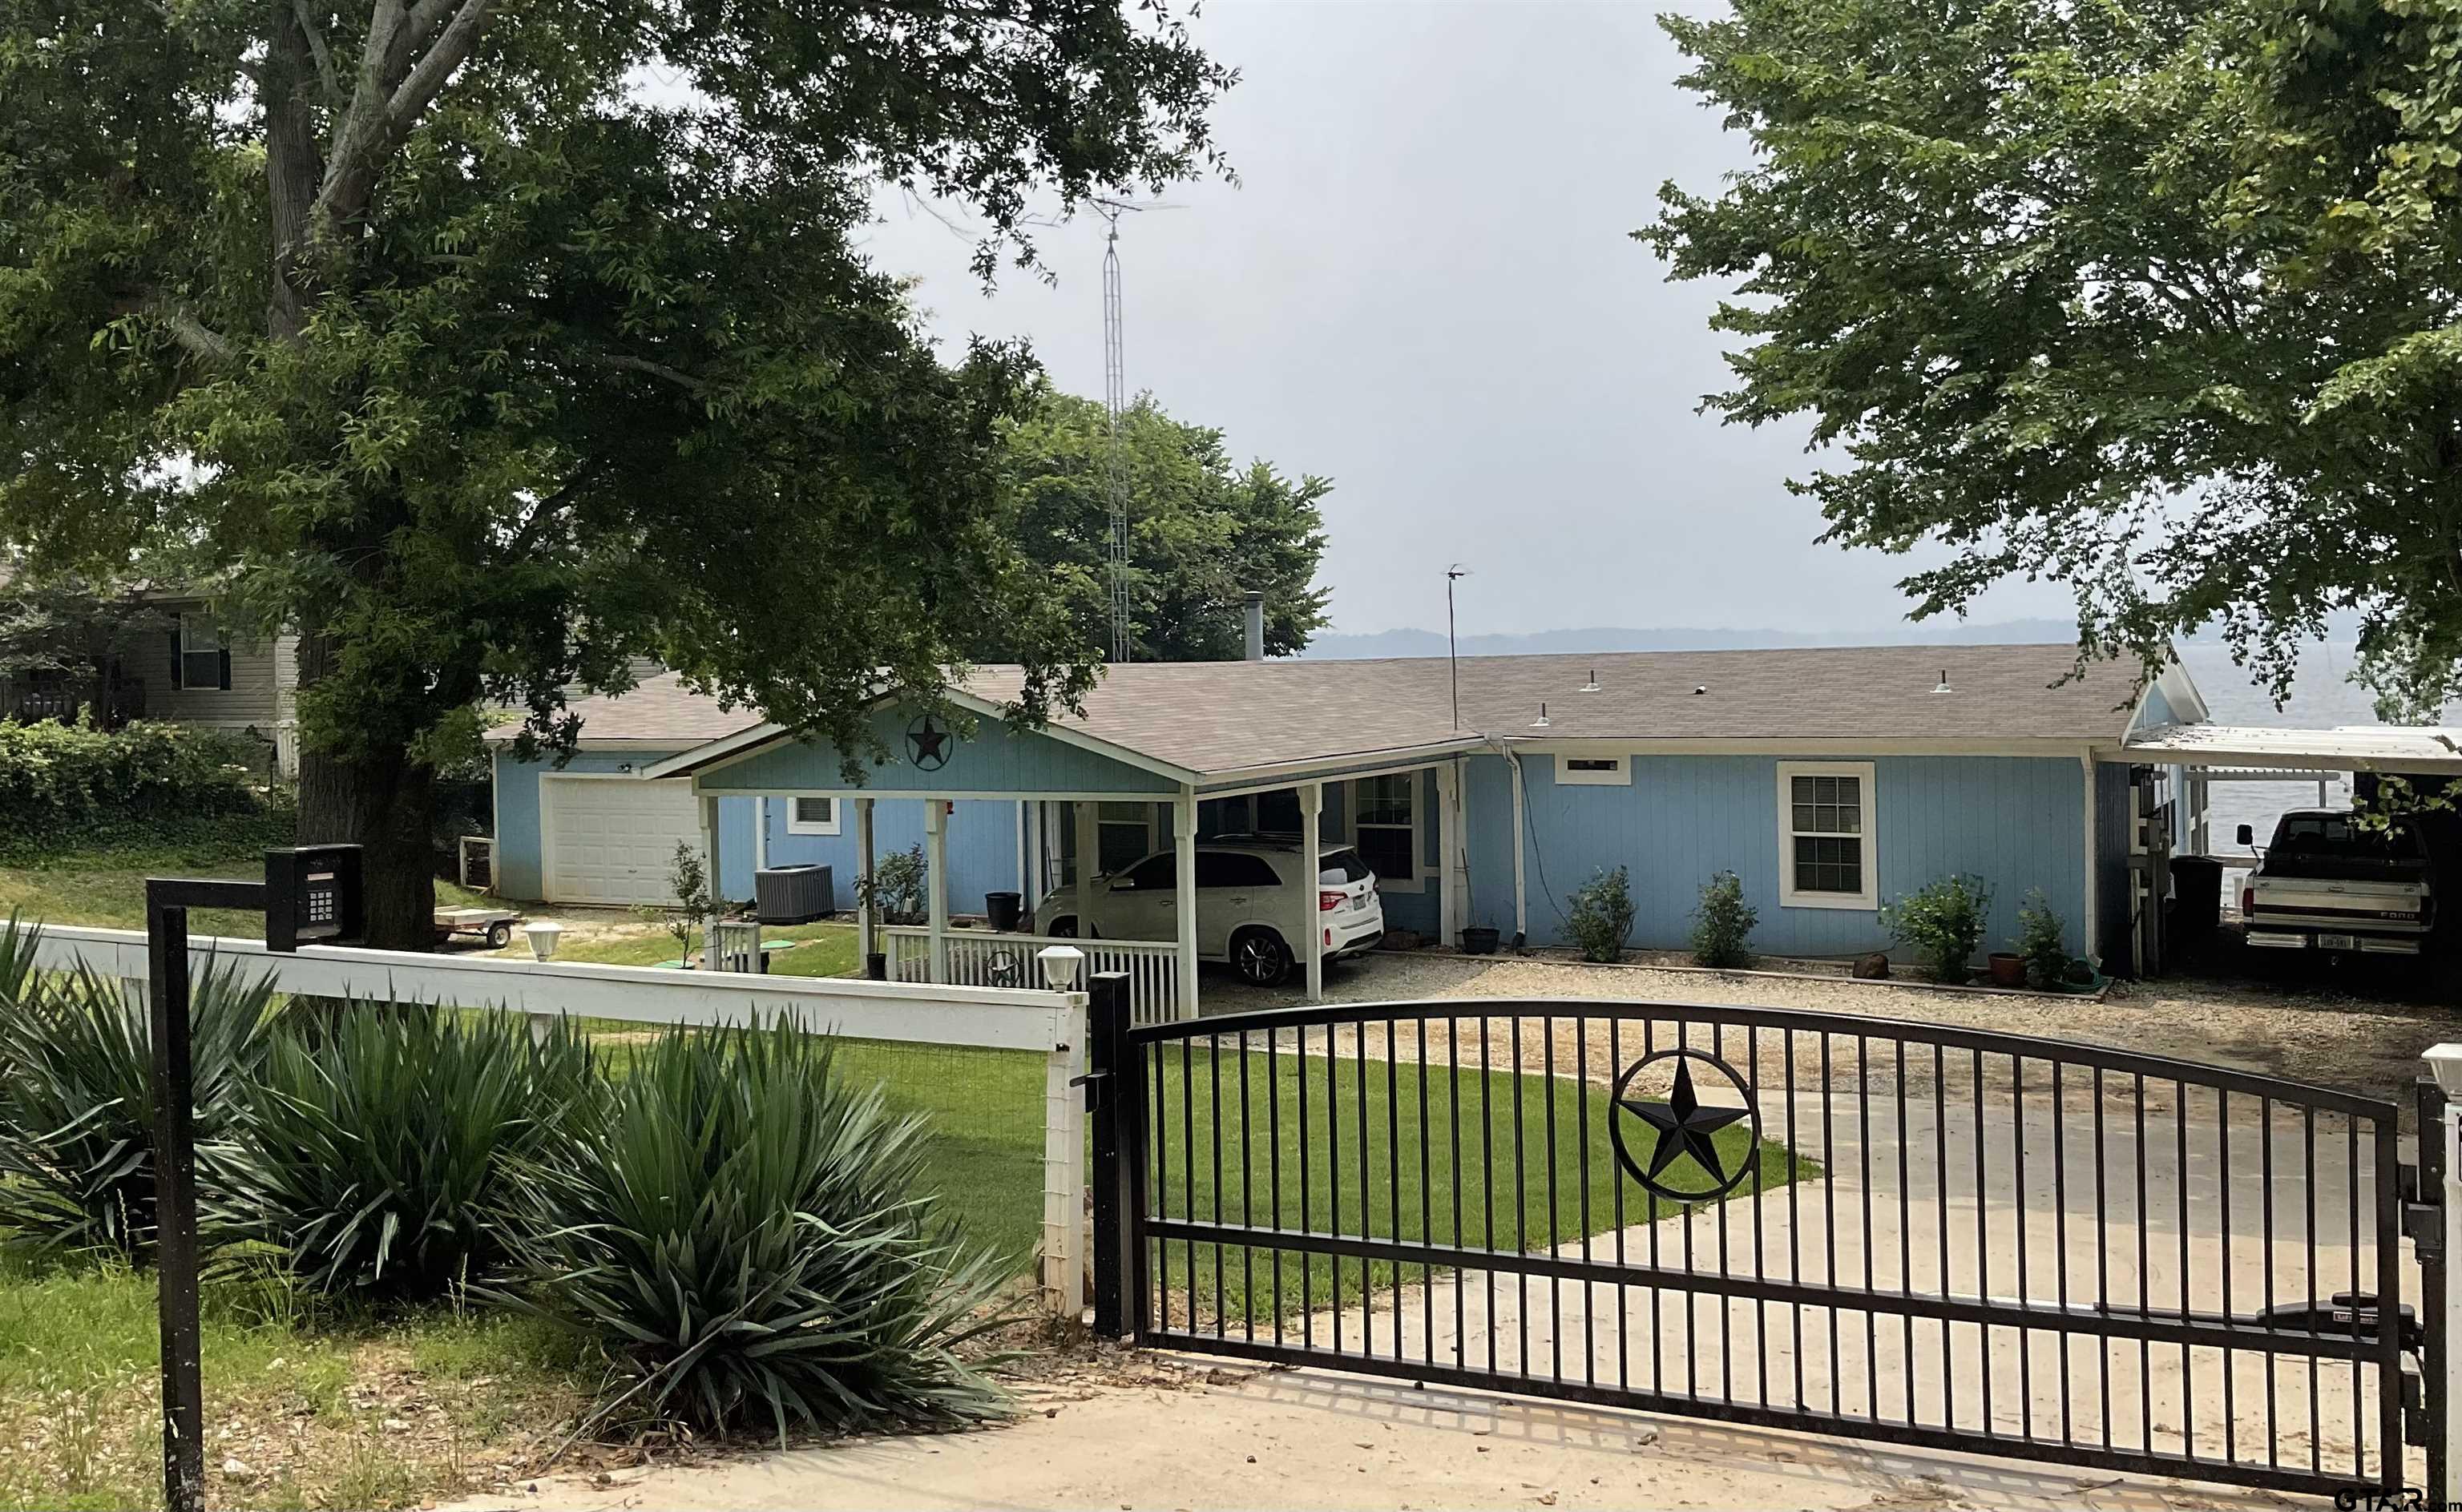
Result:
{"points": [[982, 959], [1050, 1024]]}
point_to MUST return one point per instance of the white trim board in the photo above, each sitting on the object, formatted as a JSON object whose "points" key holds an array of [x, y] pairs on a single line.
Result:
{"points": [[1868, 900]]}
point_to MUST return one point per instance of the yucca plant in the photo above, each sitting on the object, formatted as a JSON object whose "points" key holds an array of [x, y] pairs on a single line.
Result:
{"points": [[76, 1103], [375, 1149], [18, 940], [744, 1231]]}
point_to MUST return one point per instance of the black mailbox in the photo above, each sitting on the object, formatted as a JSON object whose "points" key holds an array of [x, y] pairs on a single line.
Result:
{"points": [[312, 897]]}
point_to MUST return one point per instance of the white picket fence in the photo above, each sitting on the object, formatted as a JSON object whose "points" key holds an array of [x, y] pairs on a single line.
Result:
{"points": [[1051, 1023], [982, 959]]}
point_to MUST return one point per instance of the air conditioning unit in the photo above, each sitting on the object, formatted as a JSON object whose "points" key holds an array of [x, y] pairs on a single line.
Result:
{"points": [[479, 862], [793, 895]]}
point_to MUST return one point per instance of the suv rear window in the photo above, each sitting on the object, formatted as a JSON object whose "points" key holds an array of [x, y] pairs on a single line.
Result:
{"points": [[1340, 867]]}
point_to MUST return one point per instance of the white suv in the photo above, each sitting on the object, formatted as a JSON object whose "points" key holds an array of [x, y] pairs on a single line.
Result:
{"points": [[1250, 893]]}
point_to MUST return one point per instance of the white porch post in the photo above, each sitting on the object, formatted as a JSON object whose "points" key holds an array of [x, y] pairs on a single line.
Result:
{"points": [[1520, 851], [867, 918], [1090, 845], [1311, 930], [1184, 851], [709, 860], [936, 859]]}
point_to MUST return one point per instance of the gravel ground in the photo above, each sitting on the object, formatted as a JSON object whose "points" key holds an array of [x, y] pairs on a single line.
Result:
{"points": [[2326, 1031]]}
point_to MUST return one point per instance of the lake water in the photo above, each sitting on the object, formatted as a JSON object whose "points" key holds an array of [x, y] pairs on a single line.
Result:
{"points": [[2321, 697]]}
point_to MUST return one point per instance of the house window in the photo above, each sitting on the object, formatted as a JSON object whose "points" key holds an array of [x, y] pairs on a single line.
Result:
{"points": [[1826, 840], [1592, 771], [203, 660], [1124, 835], [811, 816], [1385, 829]]}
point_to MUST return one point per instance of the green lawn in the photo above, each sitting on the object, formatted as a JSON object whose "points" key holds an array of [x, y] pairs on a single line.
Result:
{"points": [[108, 891], [1497, 1195], [823, 950]]}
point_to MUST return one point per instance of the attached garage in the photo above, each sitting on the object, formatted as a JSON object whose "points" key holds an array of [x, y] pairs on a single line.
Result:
{"points": [[612, 839]]}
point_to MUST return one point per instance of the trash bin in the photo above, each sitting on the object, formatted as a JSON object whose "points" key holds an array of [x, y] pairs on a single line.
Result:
{"points": [[1003, 911], [2196, 897]]}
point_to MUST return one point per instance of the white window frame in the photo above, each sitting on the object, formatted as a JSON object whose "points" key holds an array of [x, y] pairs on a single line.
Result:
{"points": [[1418, 880], [832, 825], [1869, 899], [201, 627], [1617, 775]]}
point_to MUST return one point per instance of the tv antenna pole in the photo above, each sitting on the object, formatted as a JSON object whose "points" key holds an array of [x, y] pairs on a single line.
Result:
{"points": [[1115, 472], [1453, 658]]}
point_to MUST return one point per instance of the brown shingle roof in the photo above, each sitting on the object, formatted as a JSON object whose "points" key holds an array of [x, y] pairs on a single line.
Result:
{"points": [[659, 708], [1219, 716]]}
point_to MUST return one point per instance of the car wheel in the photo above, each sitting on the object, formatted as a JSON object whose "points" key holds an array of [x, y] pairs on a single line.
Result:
{"points": [[499, 936], [1261, 958], [1061, 929]]}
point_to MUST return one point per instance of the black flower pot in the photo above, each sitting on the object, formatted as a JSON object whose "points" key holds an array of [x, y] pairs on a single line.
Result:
{"points": [[1479, 940]]}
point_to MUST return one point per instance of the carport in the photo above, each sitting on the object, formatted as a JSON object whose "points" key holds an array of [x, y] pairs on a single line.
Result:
{"points": [[1179, 737], [2192, 757]]}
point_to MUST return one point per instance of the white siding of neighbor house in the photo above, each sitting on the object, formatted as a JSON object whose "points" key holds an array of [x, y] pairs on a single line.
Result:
{"points": [[258, 695]]}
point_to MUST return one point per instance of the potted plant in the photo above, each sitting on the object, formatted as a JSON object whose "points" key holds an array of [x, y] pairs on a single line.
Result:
{"points": [[1479, 940], [2006, 968]]}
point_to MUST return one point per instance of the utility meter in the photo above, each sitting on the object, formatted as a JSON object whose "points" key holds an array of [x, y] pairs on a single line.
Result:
{"points": [[312, 897]]}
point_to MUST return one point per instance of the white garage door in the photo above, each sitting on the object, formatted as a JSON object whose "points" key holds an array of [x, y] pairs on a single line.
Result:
{"points": [[613, 839]]}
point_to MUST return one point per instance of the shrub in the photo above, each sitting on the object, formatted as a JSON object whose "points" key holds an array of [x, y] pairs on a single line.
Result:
{"points": [[76, 1103], [1941, 922], [897, 886], [1722, 923], [373, 1156], [2042, 940], [1602, 915], [746, 1233], [73, 786]]}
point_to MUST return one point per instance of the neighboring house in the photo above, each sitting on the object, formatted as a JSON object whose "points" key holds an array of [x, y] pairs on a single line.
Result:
{"points": [[189, 672], [1829, 779]]}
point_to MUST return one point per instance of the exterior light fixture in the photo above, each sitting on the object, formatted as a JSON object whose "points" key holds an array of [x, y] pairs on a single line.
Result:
{"points": [[544, 935], [1061, 964]]}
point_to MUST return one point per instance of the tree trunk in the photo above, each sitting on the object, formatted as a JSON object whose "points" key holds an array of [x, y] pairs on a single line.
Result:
{"points": [[381, 800]]}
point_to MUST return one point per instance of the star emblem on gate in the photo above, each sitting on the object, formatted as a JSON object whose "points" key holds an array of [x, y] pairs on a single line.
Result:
{"points": [[927, 744], [1681, 1127]]}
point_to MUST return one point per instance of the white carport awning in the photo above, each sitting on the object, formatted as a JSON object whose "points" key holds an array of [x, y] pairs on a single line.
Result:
{"points": [[2350, 747]]}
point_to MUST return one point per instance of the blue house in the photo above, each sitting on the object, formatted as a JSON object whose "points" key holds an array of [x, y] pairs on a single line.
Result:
{"points": [[1828, 780]]}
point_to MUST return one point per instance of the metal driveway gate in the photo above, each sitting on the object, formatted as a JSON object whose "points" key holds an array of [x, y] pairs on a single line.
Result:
{"points": [[1910, 1233]]}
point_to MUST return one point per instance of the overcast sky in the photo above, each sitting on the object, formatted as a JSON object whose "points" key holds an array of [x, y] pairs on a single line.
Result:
{"points": [[1424, 288]]}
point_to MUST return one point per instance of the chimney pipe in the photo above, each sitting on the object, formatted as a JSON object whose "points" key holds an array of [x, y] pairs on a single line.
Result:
{"points": [[1256, 616]]}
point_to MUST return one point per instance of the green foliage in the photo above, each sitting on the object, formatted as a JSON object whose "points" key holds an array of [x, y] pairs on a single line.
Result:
{"points": [[1600, 918], [67, 787], [688, 880], [2131, 298], [1201, 531], [2042, 940], [77, 1105], [1722, 924], [437, 343], [1941, 922], [371, 1159], [899, 886], [744, 1231]]}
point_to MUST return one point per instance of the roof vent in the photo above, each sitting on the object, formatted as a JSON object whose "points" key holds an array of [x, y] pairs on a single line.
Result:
{"points": [[1592, 685], [1700, 688], [1540, 722], [1943, 686]]}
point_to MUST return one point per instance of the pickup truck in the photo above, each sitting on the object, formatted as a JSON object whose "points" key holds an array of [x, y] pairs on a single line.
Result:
{"points": [[2330, 883]]}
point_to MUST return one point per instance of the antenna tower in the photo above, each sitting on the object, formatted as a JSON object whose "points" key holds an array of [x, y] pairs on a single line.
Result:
{"points": [[1116, 471]]}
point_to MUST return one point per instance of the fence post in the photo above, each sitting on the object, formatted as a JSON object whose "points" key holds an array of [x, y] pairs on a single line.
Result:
{"points": [[1113, 1087], [2440, 1168]]}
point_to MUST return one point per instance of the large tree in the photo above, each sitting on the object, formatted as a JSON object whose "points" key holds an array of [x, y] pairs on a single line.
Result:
{"points": [[489, 345], [1203, 532], [2154, 299]]}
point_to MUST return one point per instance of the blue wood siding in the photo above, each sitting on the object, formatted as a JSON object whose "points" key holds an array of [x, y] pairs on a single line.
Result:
{"points": [[2013, 821], [982, 845], [995, 760]]}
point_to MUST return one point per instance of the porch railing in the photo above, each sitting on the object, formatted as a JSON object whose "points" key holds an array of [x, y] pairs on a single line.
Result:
{"points": [[982, 959]]}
